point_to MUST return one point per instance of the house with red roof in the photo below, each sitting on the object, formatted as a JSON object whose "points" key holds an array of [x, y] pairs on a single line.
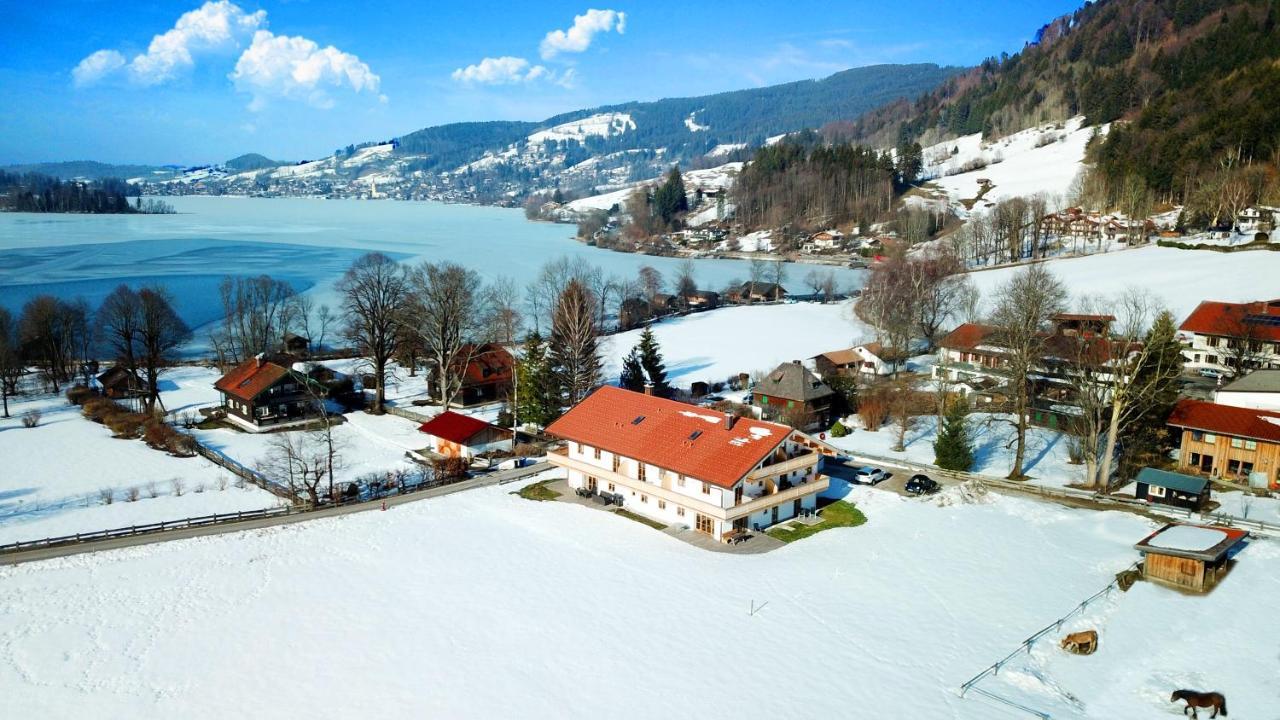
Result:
{"points": [[681, 464], [971, 356], [1232, 337], [488, 372], [260, 393], [456, 435], [1237, 443]]}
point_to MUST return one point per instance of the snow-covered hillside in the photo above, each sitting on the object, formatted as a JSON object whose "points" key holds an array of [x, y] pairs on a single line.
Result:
{"points": [[603, 125], [1040, 160], [719, 177]]}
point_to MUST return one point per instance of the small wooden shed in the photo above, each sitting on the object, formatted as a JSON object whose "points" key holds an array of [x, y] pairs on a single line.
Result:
{"points": [[1191, 557], [1171, 488]]}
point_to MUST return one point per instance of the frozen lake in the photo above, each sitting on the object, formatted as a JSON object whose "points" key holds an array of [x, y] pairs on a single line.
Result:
{"points": [[308, 242]]}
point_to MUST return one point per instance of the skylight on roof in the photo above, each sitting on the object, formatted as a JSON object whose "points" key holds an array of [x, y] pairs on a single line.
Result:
{"points": [[639, 419], [694, 435]]}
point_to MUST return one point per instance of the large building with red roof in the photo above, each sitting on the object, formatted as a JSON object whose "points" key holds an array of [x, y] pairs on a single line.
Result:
{"points": [[1232, 337], [686, 465], [1238, 443]]}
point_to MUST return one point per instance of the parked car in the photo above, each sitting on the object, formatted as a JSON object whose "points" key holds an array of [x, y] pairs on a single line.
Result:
{"points": [[922, 485], [1211, 373], [868, 475]]}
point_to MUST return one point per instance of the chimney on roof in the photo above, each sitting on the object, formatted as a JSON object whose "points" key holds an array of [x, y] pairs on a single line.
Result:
{"points": [[258, 360], [729, 420], [648, 388]]}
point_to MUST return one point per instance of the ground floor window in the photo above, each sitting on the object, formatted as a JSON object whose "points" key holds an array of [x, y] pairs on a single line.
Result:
{"points": [[662, 504], [644, 498], [611, 487], [1237, 467], [1154, 491], [680, 512], [705, 524]]}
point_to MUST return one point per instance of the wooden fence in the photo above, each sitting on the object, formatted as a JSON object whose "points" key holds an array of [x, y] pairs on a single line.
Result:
{"points": [[149, 528]]}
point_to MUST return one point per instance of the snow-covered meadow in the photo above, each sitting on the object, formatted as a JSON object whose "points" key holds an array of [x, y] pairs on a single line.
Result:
{"points": [[712, 346], [1180, 278], [55, 477], [482, 604], [1047, 460]]}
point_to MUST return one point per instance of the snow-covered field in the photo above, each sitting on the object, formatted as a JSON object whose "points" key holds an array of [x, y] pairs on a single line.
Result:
{"points": [[1046, 460], [52, 477], [713, 346], [482, 605], [1181, 278]]}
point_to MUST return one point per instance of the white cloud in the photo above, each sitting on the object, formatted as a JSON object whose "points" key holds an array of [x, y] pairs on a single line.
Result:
{"points": [[96, 66], [214, 26], [296, 68], [585, 27], [505, 70]]}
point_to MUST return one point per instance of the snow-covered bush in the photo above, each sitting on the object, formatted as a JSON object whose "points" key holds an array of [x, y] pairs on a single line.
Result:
{"points": [[132, 494], [31, 419], [106, 496], [177, 486]]}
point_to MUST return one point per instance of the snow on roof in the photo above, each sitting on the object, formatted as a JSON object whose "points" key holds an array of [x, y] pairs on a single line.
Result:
{"points": [[1187, 537]]}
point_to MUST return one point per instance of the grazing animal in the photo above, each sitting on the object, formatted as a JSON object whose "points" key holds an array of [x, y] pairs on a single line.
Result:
{"points": [[1201, 700], [1081, 643]]}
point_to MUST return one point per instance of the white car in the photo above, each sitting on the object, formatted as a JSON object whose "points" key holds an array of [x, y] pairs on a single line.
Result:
{"points": [[868, 475], [1211, 373]]}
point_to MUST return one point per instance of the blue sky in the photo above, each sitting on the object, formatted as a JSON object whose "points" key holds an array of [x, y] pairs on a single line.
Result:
{"points": [[186, 82]]}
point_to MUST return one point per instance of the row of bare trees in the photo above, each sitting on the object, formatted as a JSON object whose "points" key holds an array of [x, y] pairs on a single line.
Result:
{"points": [[1119, 384], [138, 329]]}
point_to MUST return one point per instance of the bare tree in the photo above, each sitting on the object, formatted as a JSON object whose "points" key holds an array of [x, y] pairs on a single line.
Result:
{"points": [[755, 275], [373, 294], [686, 285], [574, 354], [937, 283], [11, 366], [1118, 378], [256, 312], [48, 327], [503, 321], [1023, 308], [889, 301], [160, 333], [310, 321], [118, 320], [651, 282], [301, 462], [777, 276], [445, 309]]}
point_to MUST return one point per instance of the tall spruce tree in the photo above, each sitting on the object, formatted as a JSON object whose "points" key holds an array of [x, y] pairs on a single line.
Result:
{"points": [[537, 397], [953, 450], [669, 199], [655, 369], [632, 377]]}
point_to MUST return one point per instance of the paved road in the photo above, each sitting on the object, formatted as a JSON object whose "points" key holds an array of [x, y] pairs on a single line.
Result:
{"points": [[496, 478]]}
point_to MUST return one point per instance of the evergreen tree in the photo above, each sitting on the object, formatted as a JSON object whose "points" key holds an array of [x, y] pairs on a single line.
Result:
{"points": [[1147, 440], [537, 396], [953, 450], [651, 360], [632, 371], [669, 199]]}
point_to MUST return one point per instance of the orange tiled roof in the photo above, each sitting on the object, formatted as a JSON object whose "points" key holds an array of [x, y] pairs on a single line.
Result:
{"points": [[686, 439], [967, 336], [1229, 319], [248, 379], [1226, 420]]}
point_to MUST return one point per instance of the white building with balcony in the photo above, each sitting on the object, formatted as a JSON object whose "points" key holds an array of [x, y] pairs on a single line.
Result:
{"points": [[682, 464]]}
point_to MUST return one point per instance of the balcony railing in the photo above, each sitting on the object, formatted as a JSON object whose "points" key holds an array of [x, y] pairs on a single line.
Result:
{"points": [[795, 462], [817, 485]]}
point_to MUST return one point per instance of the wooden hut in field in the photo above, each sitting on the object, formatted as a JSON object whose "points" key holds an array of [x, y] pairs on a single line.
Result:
{"points": [[1190, 557]]}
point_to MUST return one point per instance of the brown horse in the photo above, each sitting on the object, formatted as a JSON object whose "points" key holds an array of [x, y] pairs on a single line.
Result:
{"points": [[1201, 700]]}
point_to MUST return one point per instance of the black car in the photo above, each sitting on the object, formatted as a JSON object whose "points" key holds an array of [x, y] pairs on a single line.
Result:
{"points": [[922, 485]]}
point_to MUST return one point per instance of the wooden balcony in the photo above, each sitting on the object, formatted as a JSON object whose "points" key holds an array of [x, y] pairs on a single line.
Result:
{"points": [[764, 502]]}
